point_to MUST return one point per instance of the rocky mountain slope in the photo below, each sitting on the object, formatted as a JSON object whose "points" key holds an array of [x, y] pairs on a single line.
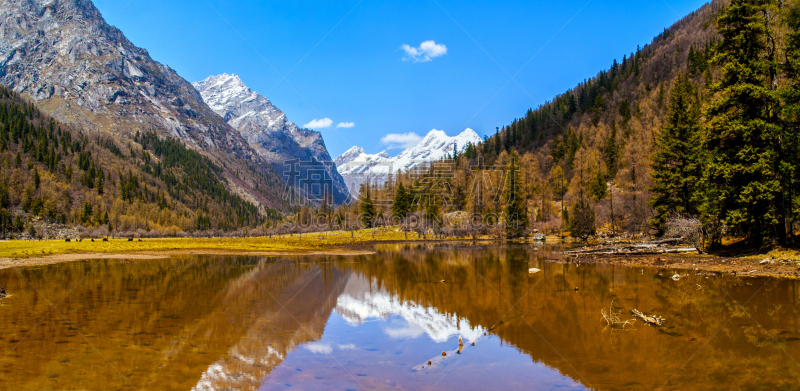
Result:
{"points": [[85, 73], [267, 129], [357, 167]]}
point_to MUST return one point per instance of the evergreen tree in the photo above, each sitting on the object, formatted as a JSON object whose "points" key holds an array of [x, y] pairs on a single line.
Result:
{"points": [[598, 107], [743, 134], [625, 111], [87, 213], [676, 161], [367, 209], [36, 179], [791, 113], [402, 202], [598, 188], [5, 223], [516, 208], [432, 209], [581, 224]]}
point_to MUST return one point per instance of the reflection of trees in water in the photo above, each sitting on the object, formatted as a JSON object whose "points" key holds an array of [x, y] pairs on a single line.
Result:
{"points": [[292, 305], [173, 322], [178, 320], [560, 327]]}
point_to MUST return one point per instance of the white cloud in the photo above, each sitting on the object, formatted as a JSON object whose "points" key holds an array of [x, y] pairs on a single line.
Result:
{"points": [[346, 125], [401, 140], [319, 123], [426, 51], [411, 331], [319, 348]]}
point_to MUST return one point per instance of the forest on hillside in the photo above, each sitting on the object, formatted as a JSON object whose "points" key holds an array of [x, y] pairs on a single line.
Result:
{"points": [[54, 178], [700, 126]]}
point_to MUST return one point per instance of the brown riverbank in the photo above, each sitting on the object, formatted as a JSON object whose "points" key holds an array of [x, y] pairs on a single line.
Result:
{"points": [[749, 266], [150, 255], [780, 263]]}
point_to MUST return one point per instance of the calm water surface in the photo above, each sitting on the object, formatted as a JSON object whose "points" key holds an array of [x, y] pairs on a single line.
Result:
{"points": [[375, 322]]}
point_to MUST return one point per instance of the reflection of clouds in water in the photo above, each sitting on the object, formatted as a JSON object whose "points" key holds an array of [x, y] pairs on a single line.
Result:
{"points": [[319, 348], [411, 331], [324, 348], [362, 302]]}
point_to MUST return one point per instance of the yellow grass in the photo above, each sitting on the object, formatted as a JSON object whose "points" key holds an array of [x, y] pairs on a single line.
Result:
{"points": [[294, 243]]}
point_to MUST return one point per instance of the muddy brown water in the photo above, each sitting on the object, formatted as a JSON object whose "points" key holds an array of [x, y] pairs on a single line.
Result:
{"points": [[383, 321]]}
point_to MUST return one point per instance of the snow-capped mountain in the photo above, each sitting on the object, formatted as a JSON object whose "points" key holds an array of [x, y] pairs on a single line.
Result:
{"points": [[85, 73], [364, 300], [357, 167], [266, 127]]}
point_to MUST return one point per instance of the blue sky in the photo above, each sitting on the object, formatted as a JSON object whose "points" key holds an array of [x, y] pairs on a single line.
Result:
{"points": [[345, 60]]}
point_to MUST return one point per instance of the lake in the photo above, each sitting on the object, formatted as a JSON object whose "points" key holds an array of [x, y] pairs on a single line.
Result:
{"points": [[392, 320]]}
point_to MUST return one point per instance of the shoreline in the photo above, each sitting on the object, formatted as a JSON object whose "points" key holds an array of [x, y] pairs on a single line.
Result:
{"points": [[40, 253], [6, 263], [741, 266]]}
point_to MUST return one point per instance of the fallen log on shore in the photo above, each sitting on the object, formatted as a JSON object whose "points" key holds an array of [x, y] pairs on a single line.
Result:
{"points": [[642, 249], [667, 241]]}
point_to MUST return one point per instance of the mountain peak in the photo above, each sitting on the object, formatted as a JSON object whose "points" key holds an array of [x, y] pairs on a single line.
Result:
{"points": [[435, 134], [468, 132], [354, 150], [266, 127], [232, 84], [358, 167]]}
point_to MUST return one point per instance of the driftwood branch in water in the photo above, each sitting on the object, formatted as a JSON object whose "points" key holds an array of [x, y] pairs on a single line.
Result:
{"points": [[654, 320]]}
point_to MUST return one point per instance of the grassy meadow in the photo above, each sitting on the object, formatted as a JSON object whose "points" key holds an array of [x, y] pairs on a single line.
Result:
{"points": [[310, 242]]}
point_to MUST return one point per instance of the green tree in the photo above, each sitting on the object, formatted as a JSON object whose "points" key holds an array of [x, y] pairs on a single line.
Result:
{"points": [[598, 188], [401, 206], [743, 132], [366, 208], [36, 179], [582, 218], [6, 224], [432, 209], [516, 208], [86, 218], [598, 107], [625, 111], [790, 95], [676, 161]]}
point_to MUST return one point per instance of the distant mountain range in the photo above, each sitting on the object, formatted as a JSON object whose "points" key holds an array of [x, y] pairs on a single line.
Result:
{"points": [[85, 73], [267, 129], [356, 166]]}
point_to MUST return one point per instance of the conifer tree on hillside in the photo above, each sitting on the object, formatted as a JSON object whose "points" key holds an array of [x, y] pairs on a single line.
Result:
{"points": [[582, 223], [743, 135], [432, 209], [402, 202], [515, 210], [367, 208], [677, 159], [791, 112]]}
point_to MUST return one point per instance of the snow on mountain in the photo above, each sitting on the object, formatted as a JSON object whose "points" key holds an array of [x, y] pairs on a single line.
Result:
{"points": [[356, 161], [266, 127], [357, 167], [85, 73], [357, 305]]}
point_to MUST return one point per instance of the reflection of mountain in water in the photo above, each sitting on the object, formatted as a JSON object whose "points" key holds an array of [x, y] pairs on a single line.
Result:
{"points": [[290, 307], [363, 301]]}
